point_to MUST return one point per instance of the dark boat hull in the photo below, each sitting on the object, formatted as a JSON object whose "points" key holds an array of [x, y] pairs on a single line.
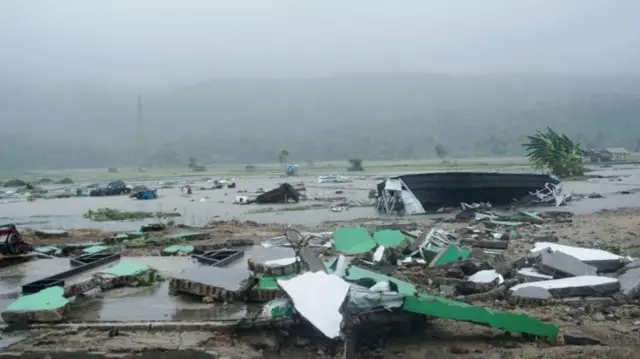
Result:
{"points": [[446, 189]]}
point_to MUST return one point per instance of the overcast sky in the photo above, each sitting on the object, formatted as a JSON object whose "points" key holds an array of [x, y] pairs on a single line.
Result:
{"points": [[175, 42]]}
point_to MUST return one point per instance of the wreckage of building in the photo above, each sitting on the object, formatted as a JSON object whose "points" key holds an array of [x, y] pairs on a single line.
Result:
{"points": [[281, 194], [429, 192], [362, 278]]}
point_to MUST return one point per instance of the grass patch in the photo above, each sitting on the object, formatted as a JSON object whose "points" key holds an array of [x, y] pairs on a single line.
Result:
{"points": [[112, 214], [285, 209]]}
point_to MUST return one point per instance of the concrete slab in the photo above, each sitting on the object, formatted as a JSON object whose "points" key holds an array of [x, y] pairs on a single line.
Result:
{"points": [[562, 265], [225, 278], [532, 274], [583, 286], [629, 278], [153, 303], [603, 260], [222, 284], [531, 292], [13, 278]]}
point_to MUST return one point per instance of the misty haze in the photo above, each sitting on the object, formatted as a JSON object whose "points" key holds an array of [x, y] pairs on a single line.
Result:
{"points": [[238, 81]]}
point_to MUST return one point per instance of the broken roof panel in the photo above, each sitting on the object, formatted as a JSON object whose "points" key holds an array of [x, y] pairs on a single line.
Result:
{"points": [[581, 286], [353, 240], [355, 273], [318, 297], [448, 309], [390, 238], [451, 254], [583, 254]]}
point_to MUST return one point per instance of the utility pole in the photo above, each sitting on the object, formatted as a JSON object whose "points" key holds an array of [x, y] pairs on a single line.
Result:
{"points": [[140, 148]]}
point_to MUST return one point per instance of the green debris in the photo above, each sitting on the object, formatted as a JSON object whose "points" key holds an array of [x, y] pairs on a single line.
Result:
{"points": [[139, 274], [353, 240], [50, 250], [448, 309], [178, 249], [126, 268], [355, 273], [452, 254], [47, 299], [270, 282], [95, 249], [390, 238], [277, 308]]}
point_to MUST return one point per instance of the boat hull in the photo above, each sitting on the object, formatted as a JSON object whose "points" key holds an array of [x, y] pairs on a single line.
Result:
{"points": [[446, 189]]}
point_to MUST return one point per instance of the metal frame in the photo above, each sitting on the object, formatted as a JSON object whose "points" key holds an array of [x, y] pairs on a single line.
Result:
{"points": [[219, 258], [58, 280], [95, 259]]}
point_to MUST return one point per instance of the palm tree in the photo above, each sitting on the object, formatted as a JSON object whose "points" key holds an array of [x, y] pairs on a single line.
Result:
{"points": [[556, 152]]}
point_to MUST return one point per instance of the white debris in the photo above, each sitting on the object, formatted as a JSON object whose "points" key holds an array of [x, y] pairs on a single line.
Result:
{"points": [[486, 276], [318, 297], [582, 254], [377, 255], [576, 282], [281, 262], [531, 272]]}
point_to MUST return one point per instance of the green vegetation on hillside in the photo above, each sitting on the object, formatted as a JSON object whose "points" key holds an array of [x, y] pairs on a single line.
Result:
{"points": [[377, 117]]}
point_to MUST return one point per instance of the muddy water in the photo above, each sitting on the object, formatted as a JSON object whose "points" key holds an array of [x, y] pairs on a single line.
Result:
{"points": [[196, 209], [143, 303], [14, 277], [205, 205]]}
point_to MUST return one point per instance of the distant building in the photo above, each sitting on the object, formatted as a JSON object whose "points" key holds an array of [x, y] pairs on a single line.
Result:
{"points": [[618, 153], [198, 168]]}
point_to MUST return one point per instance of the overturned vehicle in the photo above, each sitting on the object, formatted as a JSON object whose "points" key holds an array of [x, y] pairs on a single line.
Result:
{"points": [[430, 192]]}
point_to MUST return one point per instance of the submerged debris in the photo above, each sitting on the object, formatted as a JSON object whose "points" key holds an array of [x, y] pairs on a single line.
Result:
{"points": [[282, 194]]}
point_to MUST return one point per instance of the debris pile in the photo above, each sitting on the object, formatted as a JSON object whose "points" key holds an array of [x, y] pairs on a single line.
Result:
{"points": [[440, 273], [52, 303]]}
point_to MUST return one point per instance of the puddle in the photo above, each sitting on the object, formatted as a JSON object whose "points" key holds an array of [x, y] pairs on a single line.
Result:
{"points": [[143, 303]]}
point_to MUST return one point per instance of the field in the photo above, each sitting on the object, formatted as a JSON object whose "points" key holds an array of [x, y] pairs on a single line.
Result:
{"points": [[262, 169], [277, 169]]}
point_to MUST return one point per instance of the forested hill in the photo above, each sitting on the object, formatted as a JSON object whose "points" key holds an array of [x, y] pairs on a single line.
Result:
{"points": [[368, 116]]}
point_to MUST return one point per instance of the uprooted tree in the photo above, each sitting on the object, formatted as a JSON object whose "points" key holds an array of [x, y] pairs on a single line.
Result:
{"points": [[556, 152]]}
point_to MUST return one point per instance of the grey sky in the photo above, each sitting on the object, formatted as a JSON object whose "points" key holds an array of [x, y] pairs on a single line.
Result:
{"points": [[163, 42]]}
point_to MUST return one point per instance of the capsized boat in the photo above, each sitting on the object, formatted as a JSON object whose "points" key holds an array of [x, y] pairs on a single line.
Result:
{"points": [[424, 192]]}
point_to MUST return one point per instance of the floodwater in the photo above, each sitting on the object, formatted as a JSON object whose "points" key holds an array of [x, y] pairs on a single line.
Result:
{"points": [[154, 303], [136, 304], [206, 205], [198, 209]]}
